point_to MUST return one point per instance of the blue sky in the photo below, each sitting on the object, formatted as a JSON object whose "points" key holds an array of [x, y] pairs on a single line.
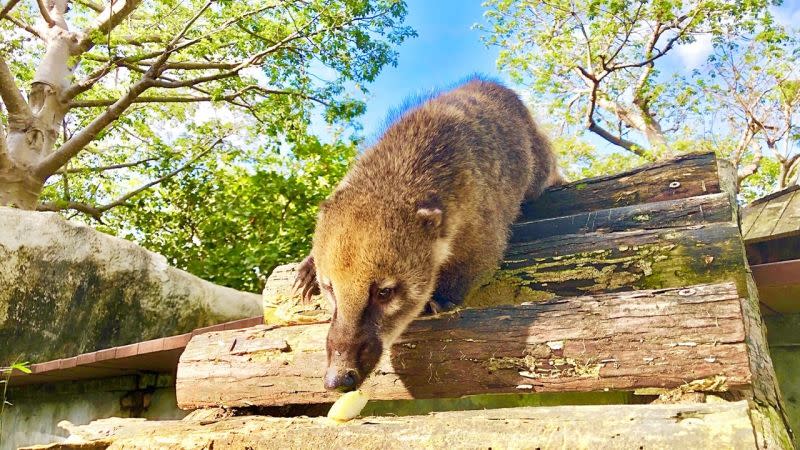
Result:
{"points": [[446, 50], [449, 49]]}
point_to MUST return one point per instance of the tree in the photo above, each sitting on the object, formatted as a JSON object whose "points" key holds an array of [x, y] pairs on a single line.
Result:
{"points": [[113, 88], [753, 84], [601, 66], [231, 224]]}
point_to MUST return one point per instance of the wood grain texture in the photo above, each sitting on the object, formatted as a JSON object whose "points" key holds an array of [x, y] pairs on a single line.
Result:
{"points": [[619, 341], [689, 426], [686, 176], [599, 262], [703, 209], [773, 217], [576, 264]]}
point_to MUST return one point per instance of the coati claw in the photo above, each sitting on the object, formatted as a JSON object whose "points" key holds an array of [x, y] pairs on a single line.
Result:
{"points": [[433, 307], [305, 282]]}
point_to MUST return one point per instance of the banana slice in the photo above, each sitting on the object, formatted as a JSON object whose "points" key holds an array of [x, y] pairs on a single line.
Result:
{"points": [[348, 406]]}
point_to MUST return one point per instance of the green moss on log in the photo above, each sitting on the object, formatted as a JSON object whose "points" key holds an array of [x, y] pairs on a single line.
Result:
{"points": [[600, 262]]}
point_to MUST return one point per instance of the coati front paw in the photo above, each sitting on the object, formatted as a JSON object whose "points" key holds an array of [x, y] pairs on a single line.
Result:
{"points": [[305, 283], [434, 307]]}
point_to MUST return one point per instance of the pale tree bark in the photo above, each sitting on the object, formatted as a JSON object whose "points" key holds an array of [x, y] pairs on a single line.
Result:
{"points": [[33, 128]]}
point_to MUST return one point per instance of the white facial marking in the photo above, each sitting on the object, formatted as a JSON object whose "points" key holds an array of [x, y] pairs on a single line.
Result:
{"points": [[387, 283], [441, 251]]}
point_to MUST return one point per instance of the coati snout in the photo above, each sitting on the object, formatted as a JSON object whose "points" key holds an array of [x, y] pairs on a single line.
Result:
{"points": [[420, 217], [351, 356]]}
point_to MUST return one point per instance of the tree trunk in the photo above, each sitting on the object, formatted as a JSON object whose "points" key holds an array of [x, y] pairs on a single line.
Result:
{"points": [[33, 128], [18, 188]]}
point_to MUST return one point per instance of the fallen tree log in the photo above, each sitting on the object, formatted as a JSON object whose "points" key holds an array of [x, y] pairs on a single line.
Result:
{"points": [[606, 262], [685, 176], [699, 210], [621, 341], [691, 426]]}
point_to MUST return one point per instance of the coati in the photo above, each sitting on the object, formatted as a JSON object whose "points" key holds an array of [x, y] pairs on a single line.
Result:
{"points": [[419, 217]]}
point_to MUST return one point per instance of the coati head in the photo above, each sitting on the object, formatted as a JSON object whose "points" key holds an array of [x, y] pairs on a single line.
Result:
{"points": [[377, 265]]}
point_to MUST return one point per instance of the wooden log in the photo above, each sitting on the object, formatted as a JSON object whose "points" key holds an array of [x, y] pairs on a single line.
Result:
{"points": [[610, 262], [578, 264], [769, 417], [690, 426], [704, 209], [622, 341], [686, 176]]}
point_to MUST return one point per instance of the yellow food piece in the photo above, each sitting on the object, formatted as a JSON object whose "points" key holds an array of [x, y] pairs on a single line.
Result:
{"points": [[348, 406]]}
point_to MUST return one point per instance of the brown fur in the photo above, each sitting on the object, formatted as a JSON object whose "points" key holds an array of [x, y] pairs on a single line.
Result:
{"points": [[426, 211]]}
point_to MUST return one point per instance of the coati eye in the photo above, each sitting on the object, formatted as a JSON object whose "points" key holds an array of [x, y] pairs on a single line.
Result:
{"points": [[382, 293], [385, 293]]}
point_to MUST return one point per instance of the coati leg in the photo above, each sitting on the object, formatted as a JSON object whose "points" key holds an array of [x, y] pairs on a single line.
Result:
{"points": [[476, 253], [305, 282]]}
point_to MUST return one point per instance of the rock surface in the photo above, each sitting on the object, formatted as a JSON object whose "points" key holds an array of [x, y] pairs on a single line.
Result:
{"points": [[66, 289], [689, 426]]}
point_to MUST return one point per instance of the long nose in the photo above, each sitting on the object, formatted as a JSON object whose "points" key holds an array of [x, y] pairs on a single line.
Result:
{"points": [[342, 380]]}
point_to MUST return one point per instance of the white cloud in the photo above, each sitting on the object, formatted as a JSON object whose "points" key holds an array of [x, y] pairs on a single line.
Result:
{"points": [[695, 54]]}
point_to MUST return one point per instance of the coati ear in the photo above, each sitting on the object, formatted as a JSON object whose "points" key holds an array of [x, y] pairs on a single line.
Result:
{"points": [[431, 218], [430, 214]]}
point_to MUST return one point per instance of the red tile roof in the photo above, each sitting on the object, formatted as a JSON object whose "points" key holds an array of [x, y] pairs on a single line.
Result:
{"points": [[156, 355]]}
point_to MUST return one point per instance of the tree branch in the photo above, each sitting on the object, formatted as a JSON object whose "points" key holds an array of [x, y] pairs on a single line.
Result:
{"points": [[9, 6], [45, 13], [109, 18], [24, 26], [79, 140], [10, 94], [105, 168], [89, 210], [95, 103], [616, 140], [98, 7], [667, 48], [97, 211], [750, 169]]}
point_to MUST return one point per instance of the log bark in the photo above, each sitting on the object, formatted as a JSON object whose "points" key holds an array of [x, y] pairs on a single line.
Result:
{"points": [[610, 262], [690, 426], [770, 421], [686, 176], [704, 209], [624, 341], [667, 244]]}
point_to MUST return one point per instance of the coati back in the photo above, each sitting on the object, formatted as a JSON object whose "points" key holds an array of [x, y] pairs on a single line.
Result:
{"points": [[420, 216]]}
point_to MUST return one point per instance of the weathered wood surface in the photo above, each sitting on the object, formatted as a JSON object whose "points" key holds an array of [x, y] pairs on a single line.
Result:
{"points": [[619, 341], [686, 176], [281, 306], [772, 217], [690, 426], [574, 264], [699, 210], [768, 413], [608, 262]]}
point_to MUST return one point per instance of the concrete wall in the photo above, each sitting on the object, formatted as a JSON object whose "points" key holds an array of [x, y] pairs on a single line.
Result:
{"points": [[66, 289], [36, 410], [783, 333]]}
